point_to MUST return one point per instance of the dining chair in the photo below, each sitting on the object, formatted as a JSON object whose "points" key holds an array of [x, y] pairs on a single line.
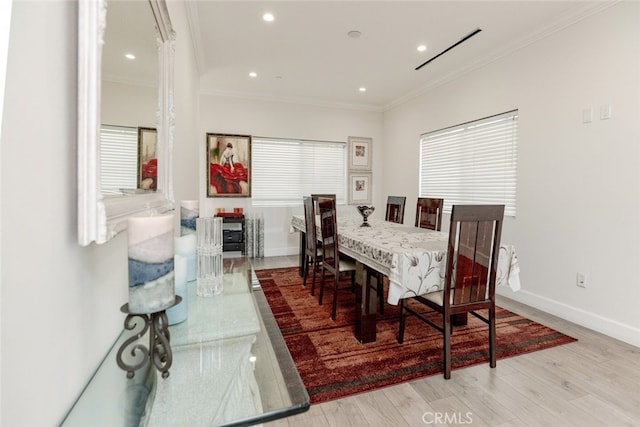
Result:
{"points": [[394, 213], [429, 213], [312, 254], [395, 209], [470, 276], [331, 263]]}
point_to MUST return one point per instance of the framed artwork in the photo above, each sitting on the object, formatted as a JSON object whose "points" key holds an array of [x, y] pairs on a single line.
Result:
{"points": [[360, 153], [147, 158], [228, 165], [359, 188]]}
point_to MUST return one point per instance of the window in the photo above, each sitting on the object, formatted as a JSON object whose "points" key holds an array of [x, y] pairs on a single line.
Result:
{"points": [[118, 158], [472, 163], [285, 170]]}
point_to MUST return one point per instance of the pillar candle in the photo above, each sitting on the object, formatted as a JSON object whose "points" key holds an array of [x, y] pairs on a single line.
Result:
{"points": [[151, 263], [178, 313], [189, 211], [186, 246]]}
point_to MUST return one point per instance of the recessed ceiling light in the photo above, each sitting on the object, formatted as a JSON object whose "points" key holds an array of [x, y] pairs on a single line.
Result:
{"points": [[253, 74], [130, 56], [422, 48], [268, 17], [363, 89], [354, 34]]}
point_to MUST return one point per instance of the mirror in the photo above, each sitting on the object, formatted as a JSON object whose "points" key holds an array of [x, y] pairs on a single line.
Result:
{"points": [[102, 213]]}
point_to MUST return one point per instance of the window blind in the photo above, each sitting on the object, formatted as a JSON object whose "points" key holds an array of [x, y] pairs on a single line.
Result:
{"points": [[285, 170], [118, 158], [472, 163]]}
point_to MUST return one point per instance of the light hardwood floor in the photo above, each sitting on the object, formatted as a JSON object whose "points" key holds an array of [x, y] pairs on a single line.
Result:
{"points": [[592, 382]]}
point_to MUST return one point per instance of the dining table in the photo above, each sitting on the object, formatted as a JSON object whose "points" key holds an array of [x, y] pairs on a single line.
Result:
{"points": [[413, 258]]}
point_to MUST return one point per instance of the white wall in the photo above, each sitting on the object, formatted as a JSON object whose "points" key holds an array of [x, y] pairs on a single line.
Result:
{"points": [[578, 184], [282, 120], [60, 302], [139, 109], [186, 146], [5, 25]]}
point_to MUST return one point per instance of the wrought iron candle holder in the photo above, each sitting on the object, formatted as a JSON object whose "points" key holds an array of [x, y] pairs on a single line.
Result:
{"points": [[159, 351]]}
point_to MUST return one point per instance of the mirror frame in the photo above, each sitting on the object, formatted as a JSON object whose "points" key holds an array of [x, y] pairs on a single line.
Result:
{"points": [[100, 217]]}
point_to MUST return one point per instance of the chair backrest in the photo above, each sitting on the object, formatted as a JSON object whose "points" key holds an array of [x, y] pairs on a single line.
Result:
{"points": [[429, 213], [472, 254], [323, 196], [395, 209], [310, 226], [329, 230], [317, 197]]}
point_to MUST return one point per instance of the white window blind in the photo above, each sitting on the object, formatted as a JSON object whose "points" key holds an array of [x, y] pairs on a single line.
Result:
{"points": [[285, 170], [118, 158], [472, 163]]}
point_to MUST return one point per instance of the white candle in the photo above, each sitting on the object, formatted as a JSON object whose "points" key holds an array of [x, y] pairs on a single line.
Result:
{"points": [[178, 313], [186, 246], [151, 263]]}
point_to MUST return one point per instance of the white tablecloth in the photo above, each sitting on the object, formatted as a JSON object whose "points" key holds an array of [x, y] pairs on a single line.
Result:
{"points": [[413, 258]]}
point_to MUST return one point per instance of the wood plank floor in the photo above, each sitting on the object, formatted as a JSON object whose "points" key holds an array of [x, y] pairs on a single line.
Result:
{"points": [[592, 382]]}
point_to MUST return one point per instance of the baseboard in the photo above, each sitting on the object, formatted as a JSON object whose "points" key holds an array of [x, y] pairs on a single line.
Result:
{"points": [[609, 327], [283, 251]]}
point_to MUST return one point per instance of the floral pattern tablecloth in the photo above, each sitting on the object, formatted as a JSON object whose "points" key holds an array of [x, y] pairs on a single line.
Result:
{"points": [[413, 258]]}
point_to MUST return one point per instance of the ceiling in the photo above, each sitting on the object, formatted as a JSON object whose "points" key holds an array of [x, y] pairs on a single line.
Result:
{"points": [[305, 54]]}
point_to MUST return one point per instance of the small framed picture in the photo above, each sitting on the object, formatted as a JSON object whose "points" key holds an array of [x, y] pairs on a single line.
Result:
{"points": [[359, 188], [360, 153], [228, 165], [147, 158]]}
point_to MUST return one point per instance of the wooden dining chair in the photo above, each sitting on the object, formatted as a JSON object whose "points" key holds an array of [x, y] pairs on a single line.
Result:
{"points": [[394, 213], [331, 263], [429, 213], [395, 209], [470, 276], [312, 254]]}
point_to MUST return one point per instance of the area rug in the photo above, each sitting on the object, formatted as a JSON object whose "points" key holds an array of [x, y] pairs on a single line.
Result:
{"points": [[333, 364]]}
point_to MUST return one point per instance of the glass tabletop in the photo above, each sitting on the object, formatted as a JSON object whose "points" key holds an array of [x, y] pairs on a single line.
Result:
{"points": [[230, 366]]}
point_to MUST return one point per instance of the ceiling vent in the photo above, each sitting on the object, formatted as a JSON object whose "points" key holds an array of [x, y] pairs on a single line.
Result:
{"points": [[462, 40]]}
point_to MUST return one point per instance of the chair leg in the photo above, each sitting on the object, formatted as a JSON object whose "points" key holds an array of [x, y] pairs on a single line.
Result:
{"points": [[334, 307], [446, 333], [492, 337], [321, 287], [305, 270], [313, 280], [380, 291], [402, 317]]}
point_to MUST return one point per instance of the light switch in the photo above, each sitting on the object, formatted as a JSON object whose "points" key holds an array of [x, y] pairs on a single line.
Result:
{"points": [[605, 112], [587, 115]]}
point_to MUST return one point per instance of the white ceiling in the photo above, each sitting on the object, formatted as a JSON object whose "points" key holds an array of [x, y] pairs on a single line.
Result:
{"points": [[305, 55]]}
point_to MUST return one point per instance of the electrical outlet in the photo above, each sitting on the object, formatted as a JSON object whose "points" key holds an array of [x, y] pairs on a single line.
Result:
{"points": [[581, 280]]}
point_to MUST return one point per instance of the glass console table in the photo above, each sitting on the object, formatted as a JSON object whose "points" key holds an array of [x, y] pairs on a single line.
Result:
{"points": [[230, 367]]}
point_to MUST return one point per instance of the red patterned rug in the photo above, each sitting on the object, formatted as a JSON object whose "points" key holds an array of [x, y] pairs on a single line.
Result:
{"points": [[333, 364]]}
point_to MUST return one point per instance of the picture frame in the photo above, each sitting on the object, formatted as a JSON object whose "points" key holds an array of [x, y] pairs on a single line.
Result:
{"points": [[360, 149], [147, 158], [359, 188], [228, 165]]}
